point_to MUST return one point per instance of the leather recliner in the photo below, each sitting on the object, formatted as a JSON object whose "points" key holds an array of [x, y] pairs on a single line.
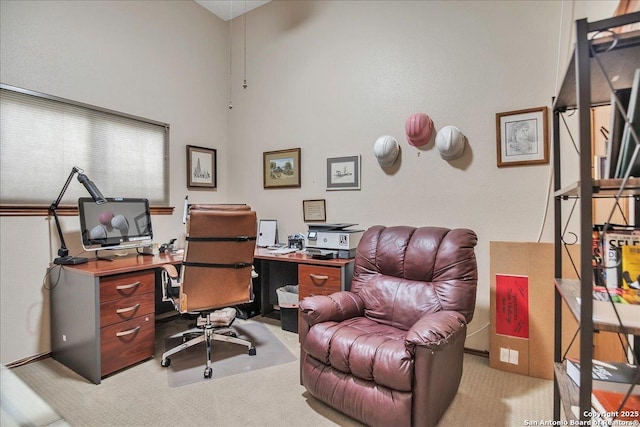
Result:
{"points": [[389, 351]]}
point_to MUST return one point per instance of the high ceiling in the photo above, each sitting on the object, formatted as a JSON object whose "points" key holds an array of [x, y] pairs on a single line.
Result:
{"points": [[229, 9]]}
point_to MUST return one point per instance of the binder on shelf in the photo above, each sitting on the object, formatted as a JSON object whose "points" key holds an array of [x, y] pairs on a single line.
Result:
{"points": [[616, 128], [628, 141]]}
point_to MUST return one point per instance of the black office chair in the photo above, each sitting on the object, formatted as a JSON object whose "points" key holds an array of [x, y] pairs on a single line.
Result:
{"points": [[216, 275]]}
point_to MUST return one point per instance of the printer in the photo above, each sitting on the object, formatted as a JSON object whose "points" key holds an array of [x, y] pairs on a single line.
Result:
{"points": [[332, 240]]}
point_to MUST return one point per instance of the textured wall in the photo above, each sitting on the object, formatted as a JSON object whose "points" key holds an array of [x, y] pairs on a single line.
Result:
{"points": [[326, 76]]}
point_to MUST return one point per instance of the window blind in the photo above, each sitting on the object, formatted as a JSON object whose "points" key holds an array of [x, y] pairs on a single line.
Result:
{"points": [[43, 137]]}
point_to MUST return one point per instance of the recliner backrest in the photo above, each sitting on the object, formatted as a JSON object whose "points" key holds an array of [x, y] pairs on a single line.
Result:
{"points": [[219, 250], [402, 273]]}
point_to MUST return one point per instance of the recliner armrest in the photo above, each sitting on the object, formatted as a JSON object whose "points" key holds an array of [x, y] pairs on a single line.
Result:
{"points": [[434, 330], [336, 307]]}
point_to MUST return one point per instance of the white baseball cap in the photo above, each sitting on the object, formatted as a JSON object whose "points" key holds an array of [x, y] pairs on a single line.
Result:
{"points": [[386, 150], [450, 142]]}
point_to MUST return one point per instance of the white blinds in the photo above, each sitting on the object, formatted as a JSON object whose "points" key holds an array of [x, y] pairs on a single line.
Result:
{"points": [[42, 138]]}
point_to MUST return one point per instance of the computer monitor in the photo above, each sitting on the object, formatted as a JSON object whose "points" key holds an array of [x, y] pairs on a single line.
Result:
{"points": [[121, 223]]}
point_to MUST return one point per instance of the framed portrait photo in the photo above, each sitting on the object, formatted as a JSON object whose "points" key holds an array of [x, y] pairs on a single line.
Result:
{"points": [[343, 173], [522, 137], [201, 167], [281, 169]]}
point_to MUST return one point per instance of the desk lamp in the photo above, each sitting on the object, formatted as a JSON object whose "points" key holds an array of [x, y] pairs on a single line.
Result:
{"points": [[63, 253]]}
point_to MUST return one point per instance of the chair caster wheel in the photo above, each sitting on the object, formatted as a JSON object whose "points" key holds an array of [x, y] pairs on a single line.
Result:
{"points": [[165, 362], [208, 372], [252, 351]]}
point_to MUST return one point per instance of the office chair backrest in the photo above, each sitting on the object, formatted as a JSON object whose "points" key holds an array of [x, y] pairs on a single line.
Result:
{"points": [[218, 257]]}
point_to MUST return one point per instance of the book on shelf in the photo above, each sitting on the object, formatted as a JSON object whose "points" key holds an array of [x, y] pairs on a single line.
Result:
{"points": [[596, 257], [630, 263], [611, 376], [606, 405], [614, 238]]}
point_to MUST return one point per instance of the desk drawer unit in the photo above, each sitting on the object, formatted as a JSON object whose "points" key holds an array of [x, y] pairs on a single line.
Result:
{"points": [[126, 285], [127, 332], [124, 309], [317, 280], [126, 343]]}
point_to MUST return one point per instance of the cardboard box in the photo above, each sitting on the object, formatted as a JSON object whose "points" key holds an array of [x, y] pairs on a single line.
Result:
{"points": [[531, 353]]}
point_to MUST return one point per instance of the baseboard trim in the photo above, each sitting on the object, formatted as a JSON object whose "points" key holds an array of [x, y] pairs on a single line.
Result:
{"points": [[34, 358], [473, 351]]}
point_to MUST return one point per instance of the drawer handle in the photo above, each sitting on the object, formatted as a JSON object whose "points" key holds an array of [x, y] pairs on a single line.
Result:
{"points": [[129, 332], [125, 310], [129, 286], [318, 280]]}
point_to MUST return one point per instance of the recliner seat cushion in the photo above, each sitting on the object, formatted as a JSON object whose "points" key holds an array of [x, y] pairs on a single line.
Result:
{"points": [[363, 348]]}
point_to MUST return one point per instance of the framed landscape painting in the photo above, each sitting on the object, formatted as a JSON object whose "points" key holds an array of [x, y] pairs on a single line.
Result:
{"points": [[281, 169]]}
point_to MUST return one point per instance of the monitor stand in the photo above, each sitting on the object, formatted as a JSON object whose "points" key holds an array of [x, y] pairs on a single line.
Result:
{"points": [[103, 258]]}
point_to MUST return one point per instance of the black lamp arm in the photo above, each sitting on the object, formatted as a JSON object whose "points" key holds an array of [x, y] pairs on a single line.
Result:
{"points": [[63, 251], [97, 196]]}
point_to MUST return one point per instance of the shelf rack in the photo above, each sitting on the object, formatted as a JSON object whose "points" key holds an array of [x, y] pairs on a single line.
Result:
{"points": [[585, 86]]}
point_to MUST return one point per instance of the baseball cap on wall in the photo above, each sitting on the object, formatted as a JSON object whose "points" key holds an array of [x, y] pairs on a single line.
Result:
{"points": [[386, 150]]}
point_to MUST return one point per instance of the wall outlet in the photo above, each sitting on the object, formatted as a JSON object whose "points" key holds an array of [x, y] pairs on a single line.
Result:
{"points": [[504, 355], [508, 355]]}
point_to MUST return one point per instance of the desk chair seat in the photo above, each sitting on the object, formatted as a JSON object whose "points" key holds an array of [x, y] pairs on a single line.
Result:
{"points": [[216, 274]]}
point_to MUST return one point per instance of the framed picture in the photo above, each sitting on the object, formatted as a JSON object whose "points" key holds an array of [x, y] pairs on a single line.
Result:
{"points": [[314, 210], [523, 137], [281, 168], [201, 167], [343, 173]]}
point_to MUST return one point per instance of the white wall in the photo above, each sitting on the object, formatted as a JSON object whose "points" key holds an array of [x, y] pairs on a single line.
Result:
{"points": [[331, 77], [163, 60], [326, 76]]}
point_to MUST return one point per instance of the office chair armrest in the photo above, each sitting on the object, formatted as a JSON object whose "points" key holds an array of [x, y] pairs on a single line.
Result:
{"points": [[336, 307], [434, 330], [171, 270], [170, 283]]}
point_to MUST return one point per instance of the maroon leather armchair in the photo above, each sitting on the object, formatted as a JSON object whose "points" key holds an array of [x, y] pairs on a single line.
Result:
{"points": [[389, 351]]}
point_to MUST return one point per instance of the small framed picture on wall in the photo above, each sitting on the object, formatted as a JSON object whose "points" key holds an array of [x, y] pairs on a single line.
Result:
{"points": [[522, 137], [343, 173], [314, 210], [281, 169], [201, 167]]}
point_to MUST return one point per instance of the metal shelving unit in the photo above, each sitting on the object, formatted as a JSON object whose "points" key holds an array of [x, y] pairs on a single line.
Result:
{"points": [[585, 86]]}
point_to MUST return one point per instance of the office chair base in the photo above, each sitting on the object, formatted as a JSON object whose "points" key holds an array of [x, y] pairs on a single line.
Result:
{"points": [[206, 335]]}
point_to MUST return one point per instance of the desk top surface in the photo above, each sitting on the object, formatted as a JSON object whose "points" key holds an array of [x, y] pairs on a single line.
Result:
{"points": [[125, 264], [300, 258], [132, 263]]}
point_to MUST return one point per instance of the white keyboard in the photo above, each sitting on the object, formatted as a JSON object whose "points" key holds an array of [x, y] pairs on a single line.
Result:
{"points": [[283, 251]]}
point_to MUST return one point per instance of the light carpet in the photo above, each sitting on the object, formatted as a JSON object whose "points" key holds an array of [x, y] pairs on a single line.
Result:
{"points": [[141, 397], [187, 366]]}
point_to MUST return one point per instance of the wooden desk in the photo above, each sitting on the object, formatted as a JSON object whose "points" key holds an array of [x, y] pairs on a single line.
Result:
{"points": [[314, 276], [103, 313]]}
